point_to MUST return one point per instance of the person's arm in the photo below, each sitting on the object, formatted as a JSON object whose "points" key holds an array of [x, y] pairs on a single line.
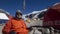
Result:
{"points": [[25, 27], [6, 28]]}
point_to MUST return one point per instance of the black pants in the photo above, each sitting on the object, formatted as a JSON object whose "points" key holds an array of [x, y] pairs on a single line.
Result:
{"points": [[12, 32]]}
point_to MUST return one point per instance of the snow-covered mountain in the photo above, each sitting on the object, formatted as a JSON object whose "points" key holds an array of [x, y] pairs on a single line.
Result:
{"points": [[38, 12], [35, 12], [56, 4], [3, 14]]}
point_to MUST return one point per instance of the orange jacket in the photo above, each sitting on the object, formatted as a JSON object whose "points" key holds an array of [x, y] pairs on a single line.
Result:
{"points": [[17, 25]]}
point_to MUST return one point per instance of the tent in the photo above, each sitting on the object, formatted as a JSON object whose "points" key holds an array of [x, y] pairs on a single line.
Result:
{"points": [[52, 17]]}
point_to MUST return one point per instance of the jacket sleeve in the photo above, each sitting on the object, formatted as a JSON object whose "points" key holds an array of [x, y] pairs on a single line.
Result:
{"points": [[25, 27], [6, 28]]}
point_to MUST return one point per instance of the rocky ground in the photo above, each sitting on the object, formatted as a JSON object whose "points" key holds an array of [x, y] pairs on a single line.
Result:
{"points": [[1, 27]]}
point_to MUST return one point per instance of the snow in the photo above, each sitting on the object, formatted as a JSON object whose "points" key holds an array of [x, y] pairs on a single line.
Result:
{"points": [[56, 4], [24, 17], [34, 12], [38, 12], [3, 16]]}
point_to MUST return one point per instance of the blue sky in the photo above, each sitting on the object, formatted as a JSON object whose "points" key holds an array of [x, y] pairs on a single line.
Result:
{"points": [[31, 5]]}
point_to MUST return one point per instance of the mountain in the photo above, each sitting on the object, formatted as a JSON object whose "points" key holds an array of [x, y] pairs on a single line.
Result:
{"points": [[3, 16], [35, 13]]}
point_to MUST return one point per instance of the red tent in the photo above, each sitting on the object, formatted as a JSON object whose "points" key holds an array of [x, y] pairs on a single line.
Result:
{"points": [[52, 17]]}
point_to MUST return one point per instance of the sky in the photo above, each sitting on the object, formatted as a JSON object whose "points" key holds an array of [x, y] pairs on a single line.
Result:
{"points": [[31, 5]]}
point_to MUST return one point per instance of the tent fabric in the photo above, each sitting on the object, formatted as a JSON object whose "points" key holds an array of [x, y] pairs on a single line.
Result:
{"points": [[52, 18]]}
